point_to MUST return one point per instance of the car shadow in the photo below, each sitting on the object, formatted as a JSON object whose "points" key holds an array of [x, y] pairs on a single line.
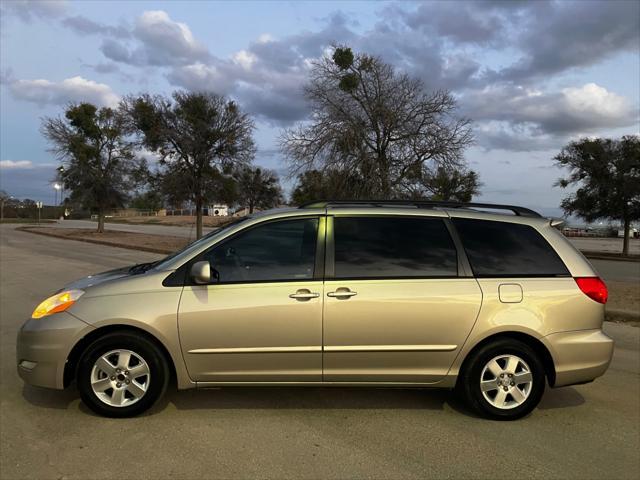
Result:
{"points": [[49, 398], [315, 398], [560, 398]]}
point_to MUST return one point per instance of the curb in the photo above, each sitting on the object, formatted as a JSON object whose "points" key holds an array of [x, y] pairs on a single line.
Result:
{"points": [[612, 256], [621, 316]]}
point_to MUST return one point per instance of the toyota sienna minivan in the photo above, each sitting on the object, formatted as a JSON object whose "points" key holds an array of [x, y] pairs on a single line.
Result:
{"points": [[495, 304]]}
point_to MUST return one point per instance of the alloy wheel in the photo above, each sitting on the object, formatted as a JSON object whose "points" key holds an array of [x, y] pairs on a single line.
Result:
{"points": [[120, 378], [506, 381]]}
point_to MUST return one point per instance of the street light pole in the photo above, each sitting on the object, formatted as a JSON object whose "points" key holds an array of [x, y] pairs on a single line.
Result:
{"points": [[57, 187]]}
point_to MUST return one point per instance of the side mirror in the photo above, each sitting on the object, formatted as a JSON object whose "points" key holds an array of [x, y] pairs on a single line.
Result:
{"points": [[201, 273]]}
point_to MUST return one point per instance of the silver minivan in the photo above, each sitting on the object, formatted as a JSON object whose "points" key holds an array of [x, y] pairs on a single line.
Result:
{"points": [[496, 304]]}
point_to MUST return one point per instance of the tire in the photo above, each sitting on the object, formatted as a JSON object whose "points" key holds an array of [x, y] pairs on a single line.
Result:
{"points": [[503, 380], [122, 374]]}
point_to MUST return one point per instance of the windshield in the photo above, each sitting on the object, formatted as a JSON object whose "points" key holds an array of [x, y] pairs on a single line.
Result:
{"points": [[195, 245]]}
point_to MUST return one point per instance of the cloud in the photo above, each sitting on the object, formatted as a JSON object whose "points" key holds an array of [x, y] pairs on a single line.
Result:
{"points": [[555, 37], [104, 67], [29, 10], [519, 118], [545, 37], [75, 89], [457, 22], [33, 180], [15, 164], [160, 42], [6, 76], [116, 51], [445, 44], [85, 26], [575, 109]]}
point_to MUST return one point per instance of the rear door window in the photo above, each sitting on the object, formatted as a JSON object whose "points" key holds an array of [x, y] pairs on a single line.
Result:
{"points": [[503, 249], [393, 247]]}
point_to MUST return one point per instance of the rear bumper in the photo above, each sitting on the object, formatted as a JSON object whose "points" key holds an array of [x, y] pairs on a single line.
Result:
{"points": [[579, 356], [43, 347]]}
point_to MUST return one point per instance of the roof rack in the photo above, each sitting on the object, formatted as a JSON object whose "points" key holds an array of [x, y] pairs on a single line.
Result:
{"points": [[519, 211]]}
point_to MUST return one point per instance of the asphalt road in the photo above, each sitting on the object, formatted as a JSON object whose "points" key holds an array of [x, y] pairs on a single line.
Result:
{"points": [[617, 270], [588, 431]]}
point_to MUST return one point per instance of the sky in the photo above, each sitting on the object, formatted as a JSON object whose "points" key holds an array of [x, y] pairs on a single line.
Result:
{"points": [[531, 76]]}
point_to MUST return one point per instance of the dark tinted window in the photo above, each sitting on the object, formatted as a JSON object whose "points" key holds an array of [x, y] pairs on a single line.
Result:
{"points": [[391, 247], [502, 249], [275, 251]]}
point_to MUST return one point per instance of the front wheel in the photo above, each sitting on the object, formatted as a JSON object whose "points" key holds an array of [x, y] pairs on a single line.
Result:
{"points": [[122, 374], [503, 380]]}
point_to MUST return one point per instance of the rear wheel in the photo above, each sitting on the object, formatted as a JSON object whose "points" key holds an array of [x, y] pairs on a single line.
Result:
{"points": [[122, 375], [503, 380]]}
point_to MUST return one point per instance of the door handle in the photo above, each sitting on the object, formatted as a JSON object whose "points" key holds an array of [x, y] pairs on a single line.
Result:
{"points": [[342, 293], [304, 294]]}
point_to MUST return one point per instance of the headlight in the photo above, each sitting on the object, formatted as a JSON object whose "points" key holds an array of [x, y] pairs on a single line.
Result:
{"points": [[57, 303]]}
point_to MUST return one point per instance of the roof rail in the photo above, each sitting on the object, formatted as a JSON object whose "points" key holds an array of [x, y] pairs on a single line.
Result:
{"points": [[519, 211]]}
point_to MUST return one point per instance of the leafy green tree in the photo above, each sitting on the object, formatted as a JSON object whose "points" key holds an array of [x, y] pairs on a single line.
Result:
{"points": [[100, 165], [606, 174], [258, 188], [447, 184], [147, 200], [373, 122], [199, 136], [4, 199], [315, 185]]}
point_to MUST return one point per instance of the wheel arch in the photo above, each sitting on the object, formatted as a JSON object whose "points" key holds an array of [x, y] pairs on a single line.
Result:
{"points": [[537, 346], [71, 365]]}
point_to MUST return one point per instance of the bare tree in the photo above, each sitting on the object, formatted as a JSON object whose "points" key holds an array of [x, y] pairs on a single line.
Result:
{"points": [[371, 120], [199, 136]]}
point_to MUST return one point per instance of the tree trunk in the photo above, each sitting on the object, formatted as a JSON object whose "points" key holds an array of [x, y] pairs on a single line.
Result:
{"points": [[199, 203], [625, 240], [250, 207], [100, 221]]}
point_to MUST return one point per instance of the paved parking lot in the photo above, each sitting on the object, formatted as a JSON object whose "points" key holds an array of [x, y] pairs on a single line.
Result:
{"points": [[588, 431]]}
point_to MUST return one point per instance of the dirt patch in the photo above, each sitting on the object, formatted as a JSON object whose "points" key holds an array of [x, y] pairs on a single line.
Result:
{"points": [[624, 302], [131, 240], [180, 221]]}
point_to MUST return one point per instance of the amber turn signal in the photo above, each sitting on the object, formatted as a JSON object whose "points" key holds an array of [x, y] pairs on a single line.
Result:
{"points": [[57, 303]]}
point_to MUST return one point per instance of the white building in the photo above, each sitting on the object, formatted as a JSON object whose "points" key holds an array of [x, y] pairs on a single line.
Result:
{"points": [[218, 210]]}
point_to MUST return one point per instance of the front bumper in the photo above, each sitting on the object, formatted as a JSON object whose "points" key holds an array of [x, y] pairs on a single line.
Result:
{"points": [[579, 356], [43, 347]]}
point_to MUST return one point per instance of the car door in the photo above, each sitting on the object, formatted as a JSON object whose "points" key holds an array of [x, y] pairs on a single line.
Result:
{"points": [[261, 319], [399, 301]]}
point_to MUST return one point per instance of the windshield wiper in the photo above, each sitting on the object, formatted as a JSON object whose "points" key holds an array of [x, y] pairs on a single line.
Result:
{"points": [[142, 267]]}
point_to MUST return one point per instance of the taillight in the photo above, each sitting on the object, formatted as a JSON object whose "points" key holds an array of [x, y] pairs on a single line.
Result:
{"points": [[594, 288]]}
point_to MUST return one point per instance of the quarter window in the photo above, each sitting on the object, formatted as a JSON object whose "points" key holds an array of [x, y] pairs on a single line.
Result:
{"points": [[503, 249], [276, 251], [393, 247]]}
